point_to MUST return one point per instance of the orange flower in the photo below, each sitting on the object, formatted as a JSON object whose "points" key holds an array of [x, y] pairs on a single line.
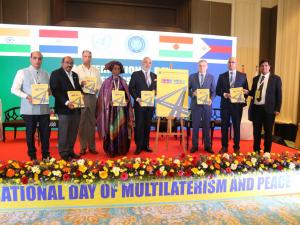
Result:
{"points": [[66, 170], [149, 169], [46, 173], [217, 166], [10, 173]]}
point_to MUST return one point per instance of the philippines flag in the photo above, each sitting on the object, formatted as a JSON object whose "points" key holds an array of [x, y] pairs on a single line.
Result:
{"points": [[220, 49], [58, 41]]}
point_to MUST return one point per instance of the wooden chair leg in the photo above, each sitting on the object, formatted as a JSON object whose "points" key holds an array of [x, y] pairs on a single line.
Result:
{"points": [[3, 134], [157, 133], [15, 133]]}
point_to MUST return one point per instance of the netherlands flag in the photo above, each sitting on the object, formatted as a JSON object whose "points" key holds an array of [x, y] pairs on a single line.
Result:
{"points": [[58, 41], [220, 49]]}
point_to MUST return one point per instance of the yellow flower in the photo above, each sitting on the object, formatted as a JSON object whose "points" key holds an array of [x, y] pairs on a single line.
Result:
{"points": [[262, 166], [84, 176], [136, 165], [90, 162], [249, 163], [53, 178], [82, 168], [16, 165], [103, 174], [217, 172], [142, 172], [22, 172], [211, 167], [165, 173], [227, 164], [274, 166], [201, 172], [130, 174], [195, 170]]}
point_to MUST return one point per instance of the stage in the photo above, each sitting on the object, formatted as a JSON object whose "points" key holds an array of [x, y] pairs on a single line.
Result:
{"points": [[17, 149]]}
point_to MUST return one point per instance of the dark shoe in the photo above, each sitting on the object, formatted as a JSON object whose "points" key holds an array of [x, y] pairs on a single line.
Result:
{"points": [[209, 150], [74, 156], [223, 150], [82, 152], [237, 151], [147, 149], [94, 152], [193, 150], [66, 158], [33, 157], [137, 151]]}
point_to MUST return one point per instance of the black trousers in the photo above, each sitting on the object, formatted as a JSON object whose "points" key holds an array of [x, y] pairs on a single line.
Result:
{"points": [[233, 112], [262, 119], [143, 117], [31, 122]]}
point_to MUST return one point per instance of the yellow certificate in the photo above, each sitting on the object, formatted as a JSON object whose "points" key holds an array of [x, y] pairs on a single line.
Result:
{"points": [[237, 95], [40, 94], [202, 96], [76, 98], [90, 85], [147, 98], [118, 98]]}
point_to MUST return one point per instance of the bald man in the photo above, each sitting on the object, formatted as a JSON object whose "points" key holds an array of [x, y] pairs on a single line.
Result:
{"points": [[33, 113], [142, 80], [231, 79], [63, 80]]}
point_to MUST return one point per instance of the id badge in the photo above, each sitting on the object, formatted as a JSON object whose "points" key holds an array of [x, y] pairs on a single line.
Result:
{"points": [[257, 94]]}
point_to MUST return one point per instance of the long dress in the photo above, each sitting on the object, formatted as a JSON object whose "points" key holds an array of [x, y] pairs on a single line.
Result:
{"points": [[114, 122]]}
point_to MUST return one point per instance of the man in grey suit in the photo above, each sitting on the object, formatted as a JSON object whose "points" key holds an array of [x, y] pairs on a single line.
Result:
{"points": [[201, 113]]}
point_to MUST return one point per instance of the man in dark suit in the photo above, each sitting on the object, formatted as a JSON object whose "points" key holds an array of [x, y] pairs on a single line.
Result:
{"points": [[201, 113], [231, 79], [265, 105], [142, 80], [63, 80]]}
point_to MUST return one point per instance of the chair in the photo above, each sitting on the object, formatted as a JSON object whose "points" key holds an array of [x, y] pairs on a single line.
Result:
{"points": [[12, 118], [216, 118]]}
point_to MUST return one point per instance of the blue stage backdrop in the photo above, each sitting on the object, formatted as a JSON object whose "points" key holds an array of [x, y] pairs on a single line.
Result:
{"points": [[178, 50]]}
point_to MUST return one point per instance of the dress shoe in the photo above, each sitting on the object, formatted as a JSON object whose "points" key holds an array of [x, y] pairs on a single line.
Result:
{"points": [[147, 149], [193, 150], [74, 156], [209, 150], [33, 157], [137, 151], [82, 152], [223, 150], [236, 150], [66, 158], [93, 151]]}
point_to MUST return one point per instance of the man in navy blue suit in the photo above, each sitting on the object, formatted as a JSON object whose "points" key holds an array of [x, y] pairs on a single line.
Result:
{"points": [[201, 113], [231, 79], [265, 105]]}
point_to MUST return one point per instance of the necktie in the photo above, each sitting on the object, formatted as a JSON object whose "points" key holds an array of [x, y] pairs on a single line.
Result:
{"points": [[201, 79], [231, 81], [148, 79], [260, 88]]}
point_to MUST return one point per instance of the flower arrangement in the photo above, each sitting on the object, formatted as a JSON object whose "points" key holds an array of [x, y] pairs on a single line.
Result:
{"points": [[88, 171]]}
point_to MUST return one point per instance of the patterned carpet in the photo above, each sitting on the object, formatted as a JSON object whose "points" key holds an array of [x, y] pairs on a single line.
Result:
{"points": [[262, 210]]}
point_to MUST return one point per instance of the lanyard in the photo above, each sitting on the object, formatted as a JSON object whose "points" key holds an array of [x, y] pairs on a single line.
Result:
{"points": [[116, 86]]}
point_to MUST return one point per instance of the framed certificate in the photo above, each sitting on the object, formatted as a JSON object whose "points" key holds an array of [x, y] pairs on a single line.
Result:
{"points": [[202, 96], [147, 98], [40, 94], [90, 85], [118, 98], [237, 95], [76, 98]]}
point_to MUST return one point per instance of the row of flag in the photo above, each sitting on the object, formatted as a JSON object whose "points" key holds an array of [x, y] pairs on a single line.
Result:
{"points": [[66, 42]]}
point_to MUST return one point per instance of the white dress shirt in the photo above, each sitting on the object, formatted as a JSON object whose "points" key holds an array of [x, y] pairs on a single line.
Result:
{"points": [[263, 93], [84, 72]]}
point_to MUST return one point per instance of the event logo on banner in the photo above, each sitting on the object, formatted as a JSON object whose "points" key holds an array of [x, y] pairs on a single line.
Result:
{"points": [[172, 93], [158, 191]]}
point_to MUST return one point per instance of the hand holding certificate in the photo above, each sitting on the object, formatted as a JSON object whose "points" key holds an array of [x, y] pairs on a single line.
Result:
{"points": [[40, 94], [147, 98], [203, 97], [237, 95], [76, 98], [118, 98], [90, 85]]}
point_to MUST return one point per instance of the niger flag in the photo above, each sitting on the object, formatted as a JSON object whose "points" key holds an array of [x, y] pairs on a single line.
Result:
{"points": [[176, 46]]}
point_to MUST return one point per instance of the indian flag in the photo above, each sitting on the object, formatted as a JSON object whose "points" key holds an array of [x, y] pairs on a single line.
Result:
{"points": [[175, 46], [14, 40]]}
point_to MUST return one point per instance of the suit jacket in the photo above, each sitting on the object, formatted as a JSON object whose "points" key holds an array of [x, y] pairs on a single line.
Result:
{"points": [[223, 86], [194, 84], [60, 84], [273, 94], [138, 83]]}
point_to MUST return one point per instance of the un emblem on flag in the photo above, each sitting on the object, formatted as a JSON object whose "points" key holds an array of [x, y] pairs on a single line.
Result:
{"points": [[136, 44]]}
